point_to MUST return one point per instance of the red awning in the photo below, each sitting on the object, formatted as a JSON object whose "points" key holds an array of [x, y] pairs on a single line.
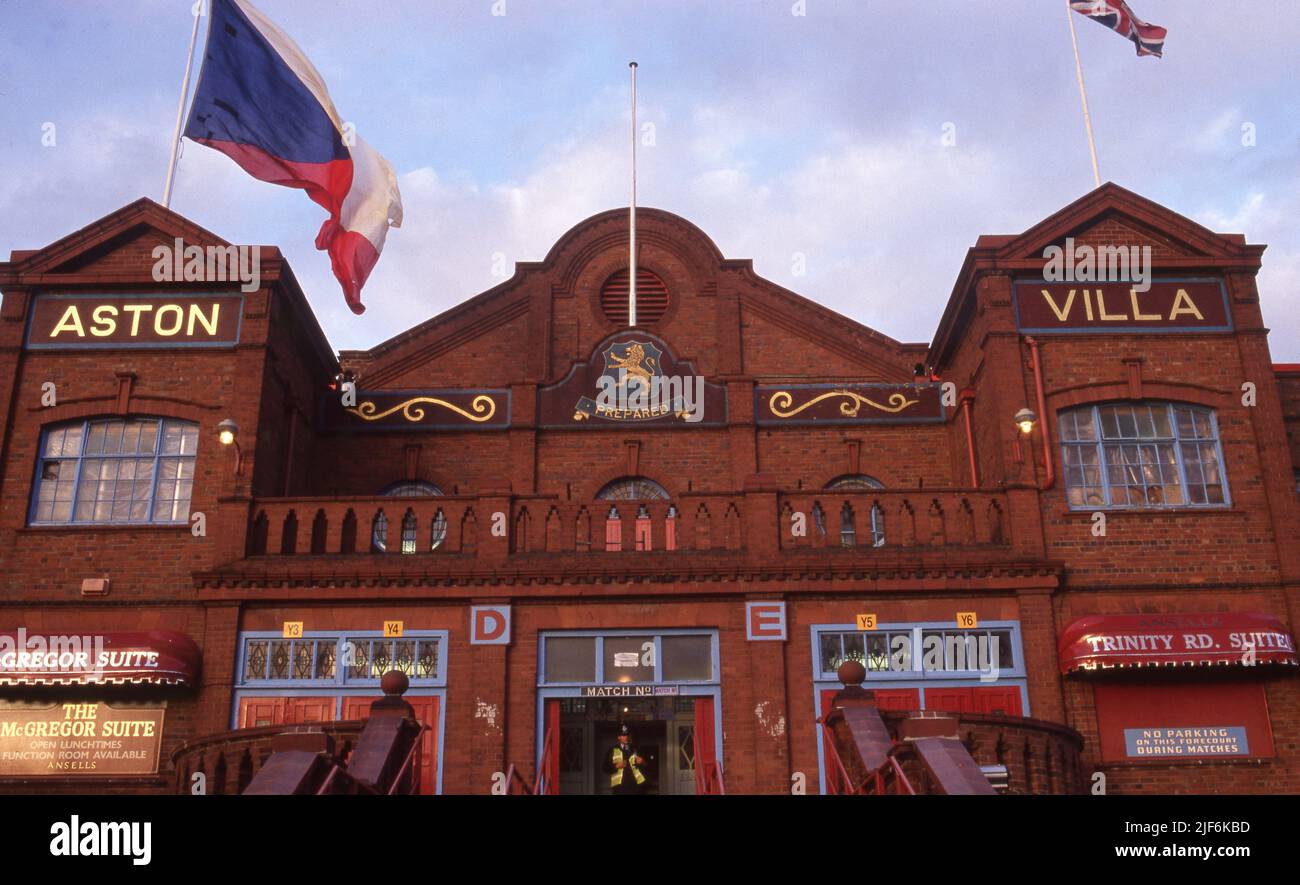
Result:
{"points": [[1180, 640], [158, 657]]}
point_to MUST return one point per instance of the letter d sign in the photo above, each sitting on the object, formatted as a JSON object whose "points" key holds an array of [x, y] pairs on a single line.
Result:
{"points": [[489, 625]]}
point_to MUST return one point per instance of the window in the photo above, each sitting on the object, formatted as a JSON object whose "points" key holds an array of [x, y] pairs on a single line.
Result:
{"points": [[410, 524], [848, 527], [333, 659], [134, 470], [637, 488], [411, 489], [621, 658], [1145, 455], [633, 488], [921, 651]]}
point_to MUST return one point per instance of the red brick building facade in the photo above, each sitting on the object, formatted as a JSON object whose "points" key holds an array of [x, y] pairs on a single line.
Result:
{"points": [[1124, 571]]}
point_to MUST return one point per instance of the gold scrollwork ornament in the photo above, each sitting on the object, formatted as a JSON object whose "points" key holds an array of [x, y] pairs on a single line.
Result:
{"points": [[849, 409]]}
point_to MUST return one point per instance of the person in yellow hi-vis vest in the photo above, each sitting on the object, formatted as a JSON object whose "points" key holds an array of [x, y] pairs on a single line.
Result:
{"points": [[624, 764]]}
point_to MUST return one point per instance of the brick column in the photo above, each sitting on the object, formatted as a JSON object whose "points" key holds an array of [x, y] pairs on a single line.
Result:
{"points": [[487, 733], [220, 638], [1038, 637], [769, 712]]}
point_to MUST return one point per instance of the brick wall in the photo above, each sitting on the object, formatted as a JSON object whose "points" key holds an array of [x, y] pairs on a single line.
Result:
{"points": [[735, 328]]}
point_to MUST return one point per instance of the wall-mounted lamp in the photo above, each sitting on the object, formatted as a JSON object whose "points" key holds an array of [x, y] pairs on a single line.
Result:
{"points": [[228, 434], [1025, 420]]}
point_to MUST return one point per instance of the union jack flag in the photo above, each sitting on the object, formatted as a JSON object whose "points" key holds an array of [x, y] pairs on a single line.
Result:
{"points": [[1115, 14]]}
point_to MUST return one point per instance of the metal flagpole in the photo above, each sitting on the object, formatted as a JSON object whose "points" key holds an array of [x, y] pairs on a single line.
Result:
{"points": [[180, 108], [1083, 96], [631, 286]]}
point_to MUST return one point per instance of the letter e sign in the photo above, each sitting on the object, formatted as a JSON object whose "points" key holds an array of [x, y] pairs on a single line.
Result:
{"points": [[765, 620], [489, 625]]}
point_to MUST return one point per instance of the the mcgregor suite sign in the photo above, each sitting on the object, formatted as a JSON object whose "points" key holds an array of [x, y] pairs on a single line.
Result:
{"points": [[80, 321], [79, 738]]}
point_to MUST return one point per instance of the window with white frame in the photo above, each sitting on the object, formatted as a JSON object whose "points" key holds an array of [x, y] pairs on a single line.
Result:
{"points": [[578, 658], [335, 659], [115, 470], [925, 651], [1142, 455]]}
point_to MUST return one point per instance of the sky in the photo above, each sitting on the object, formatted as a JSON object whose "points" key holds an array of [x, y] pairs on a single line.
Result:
{"points": [[779, 134]]}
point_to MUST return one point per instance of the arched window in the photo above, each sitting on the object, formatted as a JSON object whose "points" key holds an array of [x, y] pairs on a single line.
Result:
{"points": [[439, 530], [633, 488], [115, 470], [409, 525], [638, 489], [408, 488], [853, 482], [412, 488], [379, 533], [1142, 455]]}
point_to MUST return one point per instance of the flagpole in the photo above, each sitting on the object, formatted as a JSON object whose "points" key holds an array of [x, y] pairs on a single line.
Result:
{"points": [[180, 107], [1083, 97], [631, 286]]}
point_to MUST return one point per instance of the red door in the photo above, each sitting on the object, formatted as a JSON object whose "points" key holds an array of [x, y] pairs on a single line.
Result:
{"points": [[259, 712], [1004, 699], [551, 747], [313, 709], [426, 710], [950, 700], [708, 774], [886, 698]]}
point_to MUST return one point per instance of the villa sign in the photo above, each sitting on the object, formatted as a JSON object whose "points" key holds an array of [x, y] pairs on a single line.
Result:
{"points": [[1183, 305]]}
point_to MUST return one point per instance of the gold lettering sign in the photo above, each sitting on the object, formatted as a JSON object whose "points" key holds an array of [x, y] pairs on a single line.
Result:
{"points": [[124, 321], [1182, 305], [71, 738]]}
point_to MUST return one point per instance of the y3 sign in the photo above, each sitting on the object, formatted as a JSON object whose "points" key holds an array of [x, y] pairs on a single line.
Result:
{"points": [[489, 625], [765, 620]]}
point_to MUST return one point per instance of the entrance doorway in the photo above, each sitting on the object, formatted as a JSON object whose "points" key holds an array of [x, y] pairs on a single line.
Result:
{"points": [[663, 731]]}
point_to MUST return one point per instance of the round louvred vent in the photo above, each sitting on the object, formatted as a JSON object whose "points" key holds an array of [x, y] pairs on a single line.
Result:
{"points": [[651, 297]]}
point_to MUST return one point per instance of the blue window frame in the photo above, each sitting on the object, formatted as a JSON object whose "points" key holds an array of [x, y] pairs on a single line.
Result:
{"points": [[588, 657], [1129, 455], [115, 471], [934, 651], [329, 660]]}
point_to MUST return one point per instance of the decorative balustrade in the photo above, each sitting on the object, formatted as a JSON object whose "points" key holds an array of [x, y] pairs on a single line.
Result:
{"points": [[465, 525], [229, 760], [893, 518], [1039, 757], [460, 525]]}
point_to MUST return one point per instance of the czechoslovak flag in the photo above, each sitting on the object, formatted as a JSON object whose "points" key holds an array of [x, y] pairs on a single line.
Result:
{"points": [[1115, 14], [261, 102]]}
